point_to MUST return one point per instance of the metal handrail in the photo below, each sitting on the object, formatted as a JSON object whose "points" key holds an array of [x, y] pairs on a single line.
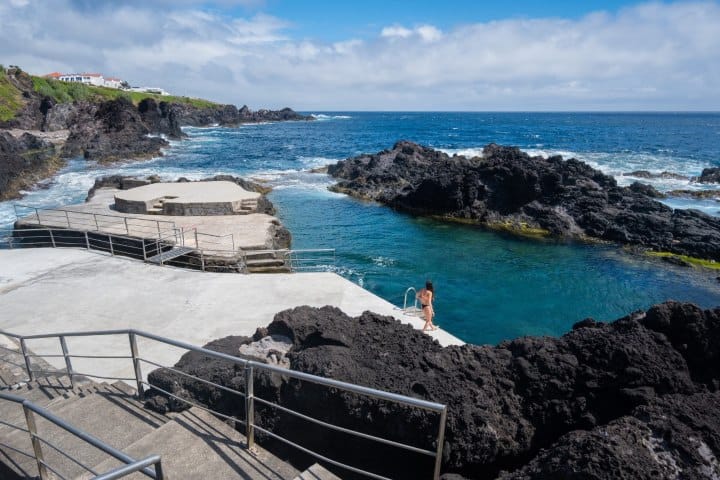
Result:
{"points": [[97, 218], [405, 307], [249, 367], [144, 248], [29, 409]]}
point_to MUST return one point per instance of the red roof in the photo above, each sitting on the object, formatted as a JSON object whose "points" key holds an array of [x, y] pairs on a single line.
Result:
{"points": [[53, 75]]}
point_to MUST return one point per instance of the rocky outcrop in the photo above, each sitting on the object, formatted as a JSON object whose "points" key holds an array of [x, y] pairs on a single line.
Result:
{"points": [[111, 131], [534, 407], [160, 118], [675, 436], [510, 190], [23, 162], [229, 115], [665, 175], [710, 175]]}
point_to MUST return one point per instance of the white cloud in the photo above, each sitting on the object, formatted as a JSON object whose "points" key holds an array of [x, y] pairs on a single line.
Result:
{"points": [[396, 31], [650, 56]]}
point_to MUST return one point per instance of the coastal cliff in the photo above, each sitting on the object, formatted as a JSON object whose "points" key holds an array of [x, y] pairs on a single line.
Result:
{"points": [[24, 161], [634, 398], [507, 189], [103, 124]]}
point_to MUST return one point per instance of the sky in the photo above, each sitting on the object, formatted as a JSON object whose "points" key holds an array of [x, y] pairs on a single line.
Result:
{"points": [[449, 55]]}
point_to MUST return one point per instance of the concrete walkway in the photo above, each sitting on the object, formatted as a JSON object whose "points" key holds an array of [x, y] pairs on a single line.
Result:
{"points": [[59, 290]]}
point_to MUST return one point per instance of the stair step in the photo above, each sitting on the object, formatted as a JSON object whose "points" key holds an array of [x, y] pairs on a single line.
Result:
{"points": [[198, 445], [170, 254], [99, 414], [264, 262], [317, 472], [269, 270]]}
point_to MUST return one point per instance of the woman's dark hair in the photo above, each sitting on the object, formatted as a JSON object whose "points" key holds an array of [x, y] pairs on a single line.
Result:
{"points": [[429, 286]]}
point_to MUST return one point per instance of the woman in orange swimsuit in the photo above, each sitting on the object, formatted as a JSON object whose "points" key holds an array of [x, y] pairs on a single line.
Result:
{"points": [[426, 297]]}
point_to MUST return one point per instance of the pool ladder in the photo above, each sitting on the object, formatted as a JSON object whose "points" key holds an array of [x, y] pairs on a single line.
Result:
{"points": [[413, 309]]}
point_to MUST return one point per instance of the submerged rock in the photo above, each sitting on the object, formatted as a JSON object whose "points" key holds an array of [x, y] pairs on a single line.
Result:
{"points": [[510, 190], [534, 404]]}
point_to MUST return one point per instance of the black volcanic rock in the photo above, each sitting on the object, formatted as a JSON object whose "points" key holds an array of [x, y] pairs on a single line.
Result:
{"points": [[509, 189], [110, 131], [676, 436], [23, 162], [710, 175], [506, 404], [650, 175], [229, 115], [160, 117]]}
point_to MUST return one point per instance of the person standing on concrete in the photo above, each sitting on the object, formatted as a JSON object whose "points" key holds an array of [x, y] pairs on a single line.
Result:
{"points": [[426, 297]]}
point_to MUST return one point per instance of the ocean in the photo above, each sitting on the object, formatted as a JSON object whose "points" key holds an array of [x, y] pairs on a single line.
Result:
{"points": [[490, 287]]}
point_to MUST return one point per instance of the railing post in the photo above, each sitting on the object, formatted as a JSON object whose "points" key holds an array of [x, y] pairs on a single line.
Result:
{"points": [[159, 475], [23, 347], [37, 215], [136, 365], [67, 218], [112, 250], [202, 261], [249, 407], [159, 251], [68, 363], [144, 251], [440, 442], [197, 244], [97, 227], [52, 237], [158, 227], [37, 446], [87, 241], [127, 229]]}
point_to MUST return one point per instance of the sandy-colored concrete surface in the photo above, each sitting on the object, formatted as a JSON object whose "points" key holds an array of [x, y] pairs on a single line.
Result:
{"points": [[217, 232], [60, 290], [219, 191]]}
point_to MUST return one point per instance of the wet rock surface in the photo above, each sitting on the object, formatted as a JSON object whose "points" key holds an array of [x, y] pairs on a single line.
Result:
{"points": [[635, 398], [23, 162], [510, 190]]}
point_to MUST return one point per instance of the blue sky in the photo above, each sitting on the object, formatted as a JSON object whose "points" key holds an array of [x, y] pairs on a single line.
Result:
{"points": [[384, 55], [336, 20]]}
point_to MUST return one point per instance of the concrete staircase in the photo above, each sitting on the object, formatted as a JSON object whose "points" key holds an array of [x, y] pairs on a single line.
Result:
{"points": [[265, 262], [193, 444], [248, 205]]}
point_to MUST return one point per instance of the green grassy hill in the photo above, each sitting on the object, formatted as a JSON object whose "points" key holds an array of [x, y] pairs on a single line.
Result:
{"points": [[11, 97]]}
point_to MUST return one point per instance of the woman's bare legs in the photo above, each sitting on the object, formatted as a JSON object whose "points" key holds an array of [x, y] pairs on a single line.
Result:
{"points": [[428, 313]]}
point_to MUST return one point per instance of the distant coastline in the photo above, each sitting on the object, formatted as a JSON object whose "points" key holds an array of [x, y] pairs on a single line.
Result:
{"points": [[95, 123]]}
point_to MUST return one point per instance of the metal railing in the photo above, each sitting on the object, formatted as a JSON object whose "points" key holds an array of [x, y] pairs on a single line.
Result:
{"points": [[30, 409], [98, 222], [205, 259], [249, 368], [412, 310]]}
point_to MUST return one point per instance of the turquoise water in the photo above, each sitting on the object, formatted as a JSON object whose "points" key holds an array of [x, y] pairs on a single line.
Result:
{"points": [[490, 287]]}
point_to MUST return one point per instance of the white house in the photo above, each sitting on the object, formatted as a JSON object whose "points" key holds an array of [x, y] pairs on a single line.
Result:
{"points": [[96, 79]]}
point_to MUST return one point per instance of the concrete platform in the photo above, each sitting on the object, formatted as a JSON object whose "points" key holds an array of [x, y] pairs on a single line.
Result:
{"points": [[219, 234], [179, 199], [60, 290]]}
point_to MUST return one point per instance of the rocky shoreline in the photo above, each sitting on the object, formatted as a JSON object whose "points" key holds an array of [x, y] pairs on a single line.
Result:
{"points": [[101, 130], [635, 398], [507, 189]]}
